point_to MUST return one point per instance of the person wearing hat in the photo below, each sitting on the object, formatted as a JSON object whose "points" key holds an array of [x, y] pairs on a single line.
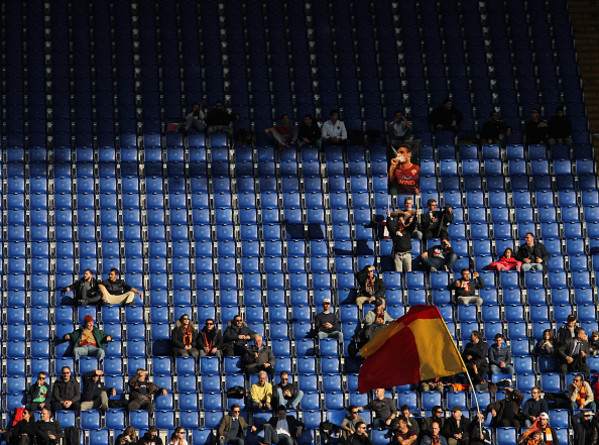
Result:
{"points": [[548, 434], [580, 394], [88, 340], [506, 412], [573, 354], [370, 286], [456, 428], [560, 128], [586, 428], [500, 357], [566, 331], [327, 323], [375, 320]]}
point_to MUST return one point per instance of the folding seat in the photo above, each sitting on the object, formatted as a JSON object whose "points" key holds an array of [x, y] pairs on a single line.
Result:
{"points": [[514, 313], [557, 280], [506, 435], [517, 330], [523, 365]]}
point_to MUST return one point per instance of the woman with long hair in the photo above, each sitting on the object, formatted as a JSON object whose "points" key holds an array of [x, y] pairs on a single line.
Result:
{"points": [[23, 433], [178, 437]]}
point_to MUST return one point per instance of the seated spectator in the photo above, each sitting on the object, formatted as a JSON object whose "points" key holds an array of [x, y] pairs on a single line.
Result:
{"points": [[259, 358], [408, 216], [23, 433], [38, 393], [327, 323], [536, 129], [495, 131], [151, 437], [428, 422], [446, 117], [88, 340], [500, 357], [580, 394], [435, 223], [439, 257], [141, 392], [236, 337], [456, 428], [219, 119], [210, 340], [435, 384], [184, 338], [547, 433], [506, 412], [370, 287], [282, 429], [567, 330], [195, 120], [360, 436], [404, 176], [403, 434], [284, 133], [309, 132], [506, 262], [466, 287], [402, 243], [47, 431], [560, 128], [66, 392], [349, 423], [479, 435], [594, 343], [86, 289], [117, 291], [399, 130], [545, 346], [333, 130], [573, 354], [533, 254], [533, 407], [129, 436], [95, 393], [261, 393], [435, 437], [231, 428], [407, 416], [475, 358], [178, 437], [586, 429], [288, 394], [375, 320], [383, 408]]}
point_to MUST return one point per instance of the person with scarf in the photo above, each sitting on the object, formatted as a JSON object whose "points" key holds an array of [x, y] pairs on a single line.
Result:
{"points": [[210, 340], [375, 320], [541, 424], [370, 286], [506, 262], [580, 394], [479, 435], [184, 338], [435, 437]]}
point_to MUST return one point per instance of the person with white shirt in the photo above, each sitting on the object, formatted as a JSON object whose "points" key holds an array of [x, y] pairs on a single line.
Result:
{"points": [[282, 429], [333, 130]]}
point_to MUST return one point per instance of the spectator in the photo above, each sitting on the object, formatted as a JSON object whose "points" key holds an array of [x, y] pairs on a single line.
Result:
{"points": [[210, 340], [409, 216], [375, 320], [117, 291], [446, 117], [383, 407], [435, 384], [141, 392], [282, 429], [506, 262], [236, 337], [456, 428], [38, 393], [333, 130], [284, 133], [404, 176], [309, 132], [436, 417], [500, 357], [184, 338], [439, 257], [327, 323], [434, 438], [349, 423], [580, 394], [475, 358], [66, 393], [88, 340], [573, 354], [47, 431], [95, 393], [407, 416], [548, 434], [402, 434], [23, 433], [479, 435], [586, 429], [567, 330], [399, 130], [545, 346], [560, 128], [219, 119], [195, 120], [435, 223], [129, 436], [261, 392], [370, 287], [533, 254], [536, 129], [259, 358], [86, 289], [536, 438], [178, 437], [594, 343], [288, 394], [466, 287], [231, 428], [533, 407], [151, 437], [495, 131], [402, 243], [506, 412]]}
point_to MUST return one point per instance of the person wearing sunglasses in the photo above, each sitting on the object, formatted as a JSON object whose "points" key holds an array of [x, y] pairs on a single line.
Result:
{"points": [[66, 393], [288, 393], [184, 338], [38, 393], [210, 340], [178, 437], [236, 336], [348, 425], [231, 428], [360, 436]]}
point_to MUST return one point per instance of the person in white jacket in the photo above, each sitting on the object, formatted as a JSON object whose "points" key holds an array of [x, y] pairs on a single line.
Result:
{"points": [[333, 130]]}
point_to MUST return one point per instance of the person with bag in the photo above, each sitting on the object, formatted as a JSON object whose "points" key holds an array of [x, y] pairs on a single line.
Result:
{"points": [[23, 431]]}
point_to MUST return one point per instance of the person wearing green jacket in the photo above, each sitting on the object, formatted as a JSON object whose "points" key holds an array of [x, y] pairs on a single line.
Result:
{"points": [[88, 340]]}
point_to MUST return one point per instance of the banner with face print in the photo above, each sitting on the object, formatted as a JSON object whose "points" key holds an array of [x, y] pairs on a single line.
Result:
{"points": [[404, 170]]}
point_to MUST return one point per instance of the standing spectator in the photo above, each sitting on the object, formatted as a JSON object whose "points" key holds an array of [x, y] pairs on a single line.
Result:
{"points": [[288, 394], [475, 358], [536, 129], [333, 130], [399, 130], [495, 131], [408, 216], [446, 117], [429, 422], [439, 257], [86, 289], [48, 431], [434, 438], [456, 428], [195, 120], [95, 393], [259, 358], [282, 429], [23, 433], [261, 393], [586, 429], [506, 412], [88, 340], [117, 291], [178, 437], [407, 416], [402, 243], [404, 176], [151, 437], [580, 394], [327, 323], [567, 330], [573, 354], [500, 357], [375, 320], [545, 346], [66, 392], [231, 428], [309, 132], [129, 436], [383, 407], [370, 287], [479, 435], [348, 425], [594, 343], [219, 119], [533, 254], [533, 407], [210, 340], [141, 391], [284, 133], [236, 337], [506, 262], [435, 223], [560, 128], [360, 436], [38, 393], [184, 338], [403, 435], [466, 287]]}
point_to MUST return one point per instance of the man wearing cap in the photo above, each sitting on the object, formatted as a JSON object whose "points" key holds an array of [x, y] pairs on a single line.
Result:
{"points": [[348, 426], [580, 394], [500, 357], [456, 428], [548, 433], [566, 331], [586, 428], [573, 354], [88, 340], [327, 323]]}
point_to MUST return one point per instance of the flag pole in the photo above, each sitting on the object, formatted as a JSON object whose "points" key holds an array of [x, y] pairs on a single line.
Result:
{"points": [[480, 423]]}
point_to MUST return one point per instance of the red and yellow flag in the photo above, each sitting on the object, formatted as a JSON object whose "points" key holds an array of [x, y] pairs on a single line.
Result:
{"points": [[415, 347]]}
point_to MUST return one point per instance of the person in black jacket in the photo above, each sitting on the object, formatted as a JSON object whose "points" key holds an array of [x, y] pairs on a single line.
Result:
{"points": [[151, 437], [495, 131], [370, 287], [536, 129], [479, 435], [219, 119], [466, 287], [23, 433], [117, 291], [236, 337], [586, 428], [95, 393], [360, 437], [439, 257], [402, 243], [259, 358], [288, 394], [309, 132], [48, 431], [210, 340], [86, 289], [573, 354], [66, 392], [566, 331], [475, 358], [533, 254], [39, 393], [560, 128], [327, 323], [184, 338], [435, 223], [275, 432], [456, 428], [446, 117]]}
